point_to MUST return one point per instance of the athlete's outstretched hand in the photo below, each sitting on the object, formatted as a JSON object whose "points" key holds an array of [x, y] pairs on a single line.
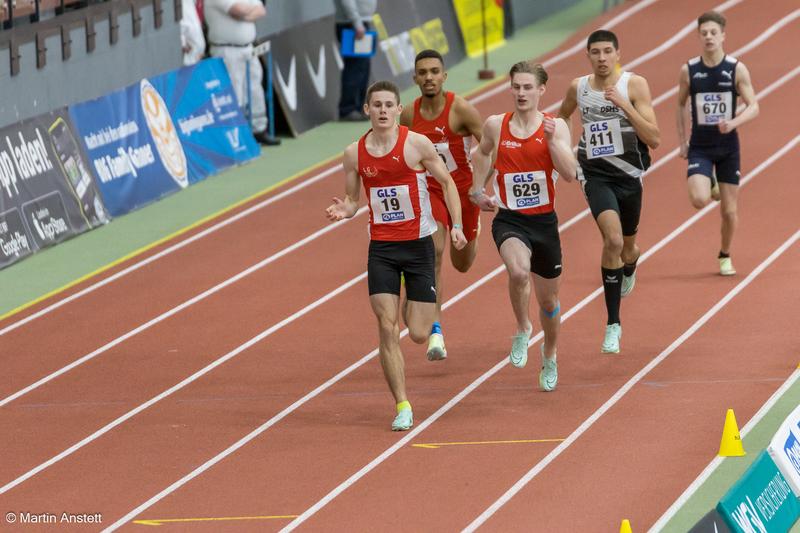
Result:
{"points": [[337, 211], [457, 235], [549, 128]]}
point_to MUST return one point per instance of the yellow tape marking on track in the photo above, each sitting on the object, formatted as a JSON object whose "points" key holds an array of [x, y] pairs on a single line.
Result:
{"points": [[210, 519], [178, 233], [435, 445]]}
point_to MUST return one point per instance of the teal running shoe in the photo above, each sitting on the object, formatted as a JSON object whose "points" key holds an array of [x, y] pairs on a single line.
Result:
{"points": [[436, 349], [403, 421], [519, 349], [548, 377], [611, 340]]}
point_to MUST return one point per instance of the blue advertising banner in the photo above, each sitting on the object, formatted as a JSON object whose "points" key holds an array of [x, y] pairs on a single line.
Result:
{"points": [[214, 133], [158, 136]]}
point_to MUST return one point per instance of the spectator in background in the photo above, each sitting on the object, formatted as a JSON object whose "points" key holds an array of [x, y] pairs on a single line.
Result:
{"points": [[355, 15], [192, 40], [231, 32]]}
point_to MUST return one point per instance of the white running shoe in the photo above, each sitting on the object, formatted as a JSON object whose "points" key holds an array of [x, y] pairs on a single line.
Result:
{"points": [[519, 349], [628, 282], [403, 421], [726, 266], [436, 349], [548, 377], [611, 340]]}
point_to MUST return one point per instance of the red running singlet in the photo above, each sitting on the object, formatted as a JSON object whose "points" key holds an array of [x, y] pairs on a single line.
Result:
{"points": [[397, 195], [525, 177], [451, 147]]}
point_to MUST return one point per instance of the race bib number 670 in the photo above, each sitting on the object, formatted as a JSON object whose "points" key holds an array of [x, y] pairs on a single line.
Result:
{"points": [[391, 204], [713, 107]]}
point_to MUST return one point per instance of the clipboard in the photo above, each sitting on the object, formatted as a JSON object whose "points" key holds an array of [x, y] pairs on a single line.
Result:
{"points": [[364, 47]]}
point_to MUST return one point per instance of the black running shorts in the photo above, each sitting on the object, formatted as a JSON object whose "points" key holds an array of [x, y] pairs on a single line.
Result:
{"points": [[416, 260], [623, 196], [538, 232]]}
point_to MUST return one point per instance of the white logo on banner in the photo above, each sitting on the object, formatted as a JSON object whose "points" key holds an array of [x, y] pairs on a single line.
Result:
{"points": [[289, 90], [233, 138], [318, 76], [164, 133]]}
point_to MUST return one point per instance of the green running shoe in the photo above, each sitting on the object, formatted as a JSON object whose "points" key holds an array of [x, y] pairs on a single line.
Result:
{"points": [[403, 421], [611, 341], [519, 349], [436, 349], [548, 377]]}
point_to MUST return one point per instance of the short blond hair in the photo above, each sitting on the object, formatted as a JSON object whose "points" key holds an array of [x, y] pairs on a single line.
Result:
{"points": [[529, 67]]}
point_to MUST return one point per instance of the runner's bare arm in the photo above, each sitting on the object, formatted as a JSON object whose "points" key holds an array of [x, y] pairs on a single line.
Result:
{"points": [[638, 107], [744, 87], [569, 104], [557, 135], [341, 209], [680, 112], [482, 162], [470, 122], [430, 159]]}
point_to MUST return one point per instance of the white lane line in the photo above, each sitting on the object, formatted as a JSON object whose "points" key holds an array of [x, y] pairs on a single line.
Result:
{"points": [[712, 466], [167, 251], [211, 229], [208, 368], [223, 284], [165, 315], [558, 450], [299, 403], [491, 372], [172, 488]]}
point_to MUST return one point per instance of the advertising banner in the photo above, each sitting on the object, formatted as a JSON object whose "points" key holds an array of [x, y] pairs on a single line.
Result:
{"points": [[761, 500], [133, 145], [214, 133], [784, 448], [405, 29], [306, 73], [471, 21], [46, 189], [712, 522], [157, 136]]}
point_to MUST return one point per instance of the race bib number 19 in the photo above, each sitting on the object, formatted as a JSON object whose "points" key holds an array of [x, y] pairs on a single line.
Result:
{"points": [[525, 190], [603, 138], [713, 107], [391, 204]]}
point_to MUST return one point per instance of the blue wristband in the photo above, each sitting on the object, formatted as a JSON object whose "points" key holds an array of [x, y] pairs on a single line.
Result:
{"points": [[458, 226]]}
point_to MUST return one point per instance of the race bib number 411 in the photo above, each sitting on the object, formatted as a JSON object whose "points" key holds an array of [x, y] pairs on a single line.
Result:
{"points": [[603, 138], [525, 190], [713, 107], [391, 204]]}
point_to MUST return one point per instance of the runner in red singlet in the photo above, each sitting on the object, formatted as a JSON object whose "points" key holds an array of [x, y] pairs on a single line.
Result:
{"points": [[449, 121], [392, 163], [527, 148]]}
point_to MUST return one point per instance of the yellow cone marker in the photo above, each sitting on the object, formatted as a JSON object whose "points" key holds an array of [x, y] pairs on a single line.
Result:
{"points": [[625, 527], [731, 444]]}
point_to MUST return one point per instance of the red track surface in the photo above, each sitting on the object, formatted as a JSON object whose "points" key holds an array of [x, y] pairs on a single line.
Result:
{"points": [[633, 463]]}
